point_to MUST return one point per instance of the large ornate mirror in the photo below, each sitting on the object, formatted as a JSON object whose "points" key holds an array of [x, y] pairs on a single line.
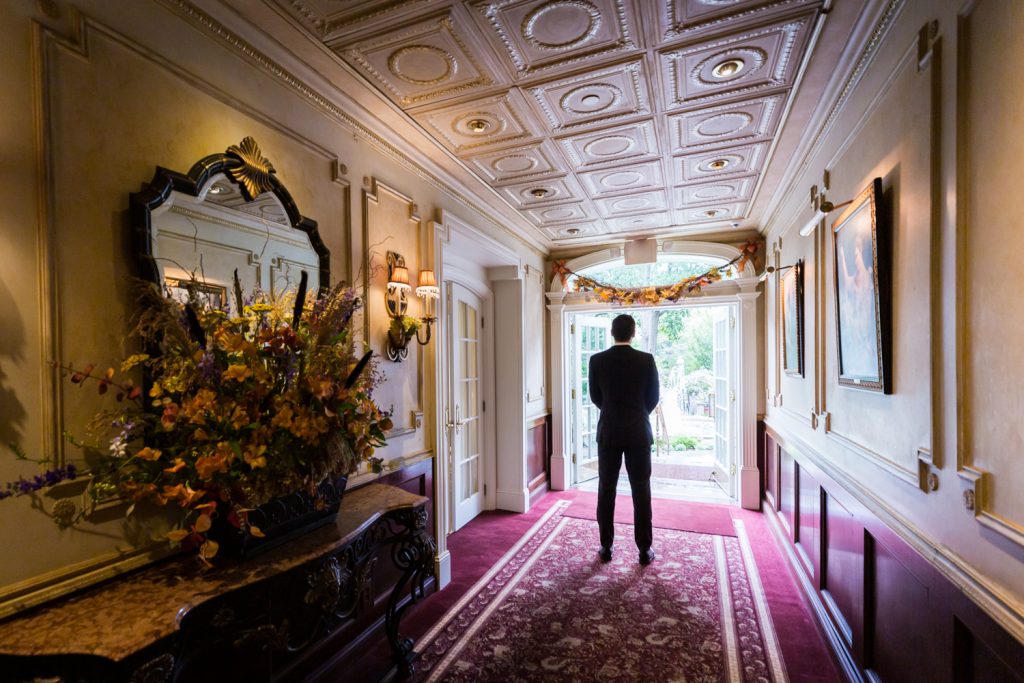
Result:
{"points": [[229, 214]]}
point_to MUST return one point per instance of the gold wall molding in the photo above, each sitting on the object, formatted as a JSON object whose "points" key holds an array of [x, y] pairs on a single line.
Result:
{"points": [[375, 197], [917, 56], [976, 481], [210, 25]]}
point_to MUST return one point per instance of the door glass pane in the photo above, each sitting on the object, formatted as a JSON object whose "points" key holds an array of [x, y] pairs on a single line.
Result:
{"points": [[473, 437], [470, 407], [469, 361], [469, 476]]}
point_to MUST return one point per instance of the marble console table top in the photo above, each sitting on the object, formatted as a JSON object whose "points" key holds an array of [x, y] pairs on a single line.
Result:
{"points": [[124, 615]]}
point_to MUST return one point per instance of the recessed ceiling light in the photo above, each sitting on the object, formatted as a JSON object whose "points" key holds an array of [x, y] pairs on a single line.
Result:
{"points": [[478, 125], [217, 188], [711, 213], [539, 192], [718, 164], [573, 231], [727, 68]]}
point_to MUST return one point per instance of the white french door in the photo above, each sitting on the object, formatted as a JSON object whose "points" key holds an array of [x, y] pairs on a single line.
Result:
{"points": [[591, 334], [465, 425], [721, 371]]}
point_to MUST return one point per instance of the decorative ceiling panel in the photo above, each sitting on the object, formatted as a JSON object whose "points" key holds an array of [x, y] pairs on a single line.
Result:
{"points": [[479, 123], [537, 160], [713, 213], [540, 192], [687, 17], [420, 63], [746, 121], [723, 163], [560, 213], [725, 190], [590, 117], [572, 232], [631, 204], [756, 59], [594, 97], [542, 34], [603, 147], [621, 179], [332, 18], [650, 221]]}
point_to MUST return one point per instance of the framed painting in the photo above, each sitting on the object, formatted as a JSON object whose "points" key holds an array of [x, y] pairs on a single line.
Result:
{"points": [[791, 294], [862, 288]]}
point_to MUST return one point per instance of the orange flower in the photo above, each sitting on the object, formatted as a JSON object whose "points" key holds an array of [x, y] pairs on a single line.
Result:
{"points": [[283, 418], [208, 465], [238, 373], [254, 457], [178, 464], [150, 454]]}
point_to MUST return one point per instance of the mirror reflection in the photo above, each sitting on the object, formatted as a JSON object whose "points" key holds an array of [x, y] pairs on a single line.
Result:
{"points": [[201, 241]]}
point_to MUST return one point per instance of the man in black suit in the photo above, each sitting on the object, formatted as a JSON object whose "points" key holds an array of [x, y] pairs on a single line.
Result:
{"points": [[624, 386]]}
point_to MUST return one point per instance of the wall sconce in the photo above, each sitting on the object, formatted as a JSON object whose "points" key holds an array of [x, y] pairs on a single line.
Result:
{"points": [[403, 328], [768, 270]]}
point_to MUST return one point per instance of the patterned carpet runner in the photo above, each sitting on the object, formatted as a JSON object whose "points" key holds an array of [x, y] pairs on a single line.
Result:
{"points": [[549, 610]]}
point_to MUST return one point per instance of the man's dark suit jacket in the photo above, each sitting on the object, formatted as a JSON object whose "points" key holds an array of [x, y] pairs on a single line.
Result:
{"points": [[624, 386]]}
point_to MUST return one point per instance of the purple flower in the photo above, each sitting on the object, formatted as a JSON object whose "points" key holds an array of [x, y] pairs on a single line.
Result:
{"points": [[23, 486], [208, 367]]}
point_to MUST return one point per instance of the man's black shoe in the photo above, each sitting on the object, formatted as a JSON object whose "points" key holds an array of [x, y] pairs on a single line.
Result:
{"points": [[605, 554], [647, 556]]}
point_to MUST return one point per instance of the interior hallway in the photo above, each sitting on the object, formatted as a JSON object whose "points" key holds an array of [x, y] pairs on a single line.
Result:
{"points": [[484, 545]]}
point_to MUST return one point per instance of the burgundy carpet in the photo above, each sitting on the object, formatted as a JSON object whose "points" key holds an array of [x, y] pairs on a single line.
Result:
{"points": [[477, 547], [550, 611], [667, 514]]}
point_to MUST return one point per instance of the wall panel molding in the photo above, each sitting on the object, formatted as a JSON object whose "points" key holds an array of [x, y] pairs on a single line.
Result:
{"points": [[977, 481], [999, 606]]}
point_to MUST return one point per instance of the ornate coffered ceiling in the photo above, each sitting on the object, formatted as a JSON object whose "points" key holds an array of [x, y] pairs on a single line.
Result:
{"points": [[591, 117]]}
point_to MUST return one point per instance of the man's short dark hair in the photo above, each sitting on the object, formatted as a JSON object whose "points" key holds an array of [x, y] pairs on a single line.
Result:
{"points": [[623, 327]]}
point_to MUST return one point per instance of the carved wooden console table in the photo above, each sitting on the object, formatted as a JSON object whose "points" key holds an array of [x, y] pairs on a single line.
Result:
{"points": [[283, 615]]}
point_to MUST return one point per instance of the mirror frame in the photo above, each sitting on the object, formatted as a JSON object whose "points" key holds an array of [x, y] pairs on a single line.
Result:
{"points": [[241, 164]]}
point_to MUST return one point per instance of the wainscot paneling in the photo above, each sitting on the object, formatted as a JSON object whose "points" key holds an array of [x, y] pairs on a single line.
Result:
{"points": [[887, 612], [538, 453]]}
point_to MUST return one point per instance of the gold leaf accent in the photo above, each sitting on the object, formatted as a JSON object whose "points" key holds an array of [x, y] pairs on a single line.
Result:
{"points": [[254, 172]]}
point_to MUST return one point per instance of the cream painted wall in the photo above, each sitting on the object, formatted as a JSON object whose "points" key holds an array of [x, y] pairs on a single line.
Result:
{"points": [[93, 103], [900, 123]]}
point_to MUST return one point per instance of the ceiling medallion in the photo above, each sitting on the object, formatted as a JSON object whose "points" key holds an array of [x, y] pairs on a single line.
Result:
{"points": [[728, 65], [514, 163], [590, 98], [720, 125], [579, 19], [609, 145], [423, 64], [728, 68], [478, 126]]}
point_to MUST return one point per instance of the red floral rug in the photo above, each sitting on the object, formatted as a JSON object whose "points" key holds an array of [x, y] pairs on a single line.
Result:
{"points": [[549, 610]]}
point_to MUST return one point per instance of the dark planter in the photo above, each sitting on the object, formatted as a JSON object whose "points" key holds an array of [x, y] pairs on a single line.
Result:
{"points": [[280, 519]]}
